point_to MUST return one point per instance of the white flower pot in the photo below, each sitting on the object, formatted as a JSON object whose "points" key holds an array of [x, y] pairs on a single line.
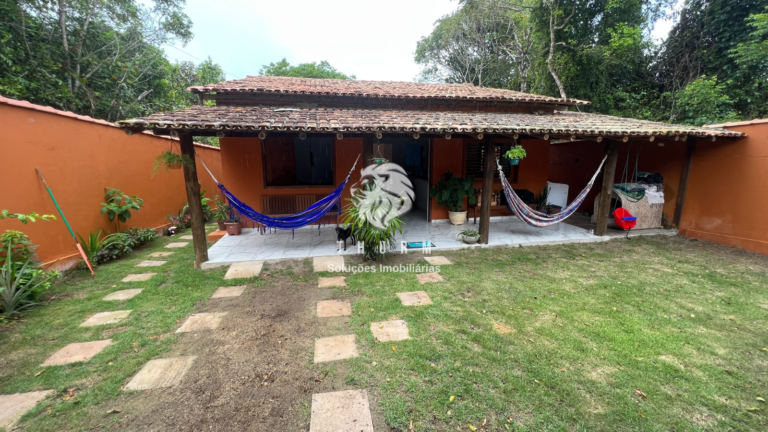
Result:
{"points": [[457, 218]]}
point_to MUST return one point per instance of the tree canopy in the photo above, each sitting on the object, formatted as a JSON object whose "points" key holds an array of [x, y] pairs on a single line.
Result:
{"points": [[713, 66], [303, 70]]}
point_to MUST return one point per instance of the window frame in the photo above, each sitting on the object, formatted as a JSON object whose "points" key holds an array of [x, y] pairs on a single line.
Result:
{"points": [[264, 164], [514, 170]]}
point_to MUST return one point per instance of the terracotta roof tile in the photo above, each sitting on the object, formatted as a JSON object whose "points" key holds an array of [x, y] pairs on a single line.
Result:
{"points": [[253, 118], [376, 89]]}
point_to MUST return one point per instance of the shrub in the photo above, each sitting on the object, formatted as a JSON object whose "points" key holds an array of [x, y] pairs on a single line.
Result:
{"points": [[119, 205], [221, 212], [19, 243], [117, 245], [372, 237], [22, 282]]}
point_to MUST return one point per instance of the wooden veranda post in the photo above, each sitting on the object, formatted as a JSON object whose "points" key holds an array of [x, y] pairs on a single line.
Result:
{"points": [[199, 240], [489, 166], [682, 189], [609, 173]]}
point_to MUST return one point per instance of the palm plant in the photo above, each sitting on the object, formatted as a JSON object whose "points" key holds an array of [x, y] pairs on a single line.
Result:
{"points": [[96, 244]]}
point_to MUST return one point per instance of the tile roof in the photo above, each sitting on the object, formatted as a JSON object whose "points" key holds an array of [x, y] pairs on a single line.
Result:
{"points": [[376, 89], [254, 118]]}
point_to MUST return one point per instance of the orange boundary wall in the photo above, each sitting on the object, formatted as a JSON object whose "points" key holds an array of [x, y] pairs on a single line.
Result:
{"points": [[80, 156], [727, 199]]}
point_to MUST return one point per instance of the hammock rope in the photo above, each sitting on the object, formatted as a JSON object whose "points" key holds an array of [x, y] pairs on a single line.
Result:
{"points": [[309, 216], [537, 218]]}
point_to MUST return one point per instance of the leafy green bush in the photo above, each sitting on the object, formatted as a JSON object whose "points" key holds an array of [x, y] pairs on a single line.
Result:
{"points": [[169, 160], [221, 212], [117, 245], [372, 236], [119, 205], [451, 190], [19, 243]]}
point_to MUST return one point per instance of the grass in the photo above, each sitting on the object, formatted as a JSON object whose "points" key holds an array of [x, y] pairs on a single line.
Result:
{"points": [[82, 390], [648, 334]]}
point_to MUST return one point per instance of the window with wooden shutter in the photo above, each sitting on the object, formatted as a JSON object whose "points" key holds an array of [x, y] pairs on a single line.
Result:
{"points": [[295, 162], [475, 158]]}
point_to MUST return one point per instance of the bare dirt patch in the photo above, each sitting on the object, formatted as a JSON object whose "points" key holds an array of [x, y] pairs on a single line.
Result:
{"points": [[252, 373]]}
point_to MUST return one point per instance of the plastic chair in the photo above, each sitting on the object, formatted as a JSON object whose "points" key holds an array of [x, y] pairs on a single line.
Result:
{"points": [[624, 220]]}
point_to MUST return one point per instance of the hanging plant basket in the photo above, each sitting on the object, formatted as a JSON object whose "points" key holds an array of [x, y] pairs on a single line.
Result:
{"points": [[175, 165], [170, 160]]}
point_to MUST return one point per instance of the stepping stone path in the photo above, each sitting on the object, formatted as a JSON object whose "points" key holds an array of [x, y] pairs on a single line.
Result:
{"points": [[387, 331], [335, 348], [174, 245], [328, 263], [201, 321], [333, 308], [150, 263], [244, 270], [161, 373], [416, 298], [123, 294], [331, 282], [187, 237], [429, 277], [77, 352], [344, 411], [160, 254], [438, 260], [13, 406], [103, 318], [232, 291], [138, 277]]}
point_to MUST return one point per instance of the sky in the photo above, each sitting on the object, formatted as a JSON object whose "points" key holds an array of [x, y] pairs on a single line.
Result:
{"points": [[371, 39]]}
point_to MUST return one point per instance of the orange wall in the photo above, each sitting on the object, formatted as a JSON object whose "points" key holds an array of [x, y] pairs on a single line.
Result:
{"points": [[575, 163], [727, 198], [79, 159], [449, 155], [242, 166]]}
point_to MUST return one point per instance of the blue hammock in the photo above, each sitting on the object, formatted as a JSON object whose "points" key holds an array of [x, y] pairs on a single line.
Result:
{"points": [[313, 214], [536, 218]]}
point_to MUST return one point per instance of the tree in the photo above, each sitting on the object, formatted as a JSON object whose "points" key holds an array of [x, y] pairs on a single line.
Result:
{"points": [[303, 70], [89, 56]]}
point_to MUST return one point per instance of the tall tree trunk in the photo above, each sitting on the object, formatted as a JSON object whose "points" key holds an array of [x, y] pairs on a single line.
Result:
{"points": [[65, 42]]}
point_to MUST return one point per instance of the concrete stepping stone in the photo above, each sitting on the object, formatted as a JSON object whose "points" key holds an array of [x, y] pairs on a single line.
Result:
{"points": [[123, 294], [187, 237], [231, 291], [333, 308], [328, 263], [13, 406], [438, 260], [201, 321], [244, 270], [337, 281], [335, 348], [138, 277], [415, 298], [386, 331], [174, 245], [160, 254], [77, 352], [429, 277], [103, 318], [150, 263], [343, 411], [159, 373]]}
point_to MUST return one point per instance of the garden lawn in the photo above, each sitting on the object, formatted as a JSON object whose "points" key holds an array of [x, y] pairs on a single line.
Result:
{"points": [[83, 389], [649, 334]]}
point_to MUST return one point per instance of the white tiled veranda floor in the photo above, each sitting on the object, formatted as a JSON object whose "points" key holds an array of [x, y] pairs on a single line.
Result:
{"points": [[305, 242]]}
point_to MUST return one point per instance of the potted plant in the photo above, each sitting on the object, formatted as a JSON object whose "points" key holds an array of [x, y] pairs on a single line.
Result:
{"points": [[171, 160], [233, 226], [470, 236], [450, 192], [220, 213], [543, 205], [515, 153]]}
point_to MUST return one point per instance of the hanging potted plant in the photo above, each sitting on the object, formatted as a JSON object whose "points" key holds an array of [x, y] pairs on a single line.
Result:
{"points": [[515, 153], [450, 192], [170, 160]]}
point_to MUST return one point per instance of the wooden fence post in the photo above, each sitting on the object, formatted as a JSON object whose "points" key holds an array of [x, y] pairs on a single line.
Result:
{"points": [[489, 164]]}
